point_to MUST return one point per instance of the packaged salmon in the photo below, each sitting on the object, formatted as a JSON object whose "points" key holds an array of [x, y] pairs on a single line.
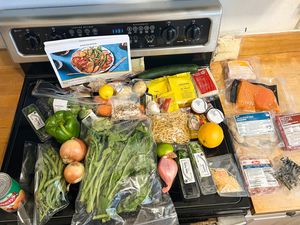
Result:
{"points": [[264, 94]]}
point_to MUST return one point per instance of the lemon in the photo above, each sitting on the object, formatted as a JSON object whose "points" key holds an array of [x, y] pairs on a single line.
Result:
{"points": [[163, 149], [210, 135], [106, 91]]}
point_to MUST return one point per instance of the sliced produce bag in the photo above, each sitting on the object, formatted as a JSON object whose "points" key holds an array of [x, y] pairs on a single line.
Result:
{"points": [[121, 185], [50, 188]]}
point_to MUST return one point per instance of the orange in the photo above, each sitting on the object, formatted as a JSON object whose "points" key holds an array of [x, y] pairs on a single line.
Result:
{"points": [[210, 135]]}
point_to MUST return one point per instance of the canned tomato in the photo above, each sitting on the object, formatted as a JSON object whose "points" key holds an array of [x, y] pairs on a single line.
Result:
{"points": [[11, 194]]}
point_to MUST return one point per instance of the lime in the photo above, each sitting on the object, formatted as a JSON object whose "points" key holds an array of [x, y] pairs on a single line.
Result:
{"points": [[210, 135], [106, 91], [163, 149]]}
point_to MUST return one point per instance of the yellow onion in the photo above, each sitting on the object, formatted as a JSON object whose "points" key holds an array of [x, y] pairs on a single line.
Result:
{"points": [[74, 172], [73, 150]]}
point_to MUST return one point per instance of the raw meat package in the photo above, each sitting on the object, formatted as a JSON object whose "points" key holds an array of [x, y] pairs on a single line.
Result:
{"points": [[289, 128], [259, 175]]}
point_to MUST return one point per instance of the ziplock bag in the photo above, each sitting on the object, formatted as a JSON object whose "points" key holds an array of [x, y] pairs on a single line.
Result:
{"points": [[226, 176], [121, 185], [25, 211], [50, 188]]}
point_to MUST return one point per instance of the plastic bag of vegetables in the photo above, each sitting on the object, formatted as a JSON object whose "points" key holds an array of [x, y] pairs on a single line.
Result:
{"points": [[50, 188], [121, 185]]}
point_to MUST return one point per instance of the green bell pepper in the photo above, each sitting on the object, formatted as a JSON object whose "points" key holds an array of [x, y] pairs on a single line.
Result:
{"points": [[63, 125]]}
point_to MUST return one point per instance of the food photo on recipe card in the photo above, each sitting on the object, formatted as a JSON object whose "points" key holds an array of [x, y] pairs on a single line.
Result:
{"points": [[81, 60]]}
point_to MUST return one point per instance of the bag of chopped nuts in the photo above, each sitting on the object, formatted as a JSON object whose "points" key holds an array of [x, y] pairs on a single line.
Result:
{"points": [[127, 108]]}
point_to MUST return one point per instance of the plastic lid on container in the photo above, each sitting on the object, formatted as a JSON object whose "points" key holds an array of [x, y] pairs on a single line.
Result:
{"points": [[215, 116], [199, 105], [5, 183]]}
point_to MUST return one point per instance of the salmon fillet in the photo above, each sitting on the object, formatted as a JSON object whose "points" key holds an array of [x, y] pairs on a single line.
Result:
{"points": [[253, 97]]}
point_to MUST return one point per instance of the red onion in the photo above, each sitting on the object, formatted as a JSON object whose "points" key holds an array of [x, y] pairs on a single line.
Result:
{"points": [[167, 169]]}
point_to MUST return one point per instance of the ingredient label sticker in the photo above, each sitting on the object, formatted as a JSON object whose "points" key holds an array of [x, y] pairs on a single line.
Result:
{"points": [[202, 164], [88, 120], [187, 171], [36, 120], [60, 104], [259, 173], [254, 124], [290, 125]]}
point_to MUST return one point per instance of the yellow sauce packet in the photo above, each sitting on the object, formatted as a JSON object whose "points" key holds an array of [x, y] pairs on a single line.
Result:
{"points": [[183, 88], [158, 86], [167, 102]]}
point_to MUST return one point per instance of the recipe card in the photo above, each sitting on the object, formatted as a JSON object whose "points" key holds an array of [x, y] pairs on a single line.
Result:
{"points": [[81, 60]]}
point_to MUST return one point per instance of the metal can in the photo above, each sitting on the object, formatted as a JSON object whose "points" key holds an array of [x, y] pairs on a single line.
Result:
{"points": [[11, 194]]}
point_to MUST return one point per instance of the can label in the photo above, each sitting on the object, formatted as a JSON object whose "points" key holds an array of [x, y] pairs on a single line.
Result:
{"points": [[7, 202]]}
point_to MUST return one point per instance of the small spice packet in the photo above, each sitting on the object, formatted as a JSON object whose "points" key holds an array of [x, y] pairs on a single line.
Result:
{"points": [[37, 121]]}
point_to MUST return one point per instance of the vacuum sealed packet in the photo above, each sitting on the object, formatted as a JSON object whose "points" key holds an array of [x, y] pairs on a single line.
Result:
{"points": [[259, 175], [50, 187], [254, 130], [289, 128], [226, 176], [263, 94], [121, 185]]}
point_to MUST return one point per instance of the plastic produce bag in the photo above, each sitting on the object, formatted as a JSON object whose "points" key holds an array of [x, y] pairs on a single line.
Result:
{"points": [[126, 108], [226, 176], [50, 188], [171, 127], [25, 211], [121, 185]]}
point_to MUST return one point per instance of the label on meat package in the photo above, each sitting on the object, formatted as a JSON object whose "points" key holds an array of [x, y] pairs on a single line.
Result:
{"points": [[259, 173], [187, 171], [59, 104], [254, 124], [202, 164], [289, 126], [36, 120]]}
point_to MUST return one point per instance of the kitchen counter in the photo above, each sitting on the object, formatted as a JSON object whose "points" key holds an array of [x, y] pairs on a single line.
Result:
{"points": [[278, 54]]}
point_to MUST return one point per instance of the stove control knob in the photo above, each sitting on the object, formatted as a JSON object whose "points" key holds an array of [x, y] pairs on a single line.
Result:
{"points": [[169, 34], [55, 36], [33, 40], [193, 32]]}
